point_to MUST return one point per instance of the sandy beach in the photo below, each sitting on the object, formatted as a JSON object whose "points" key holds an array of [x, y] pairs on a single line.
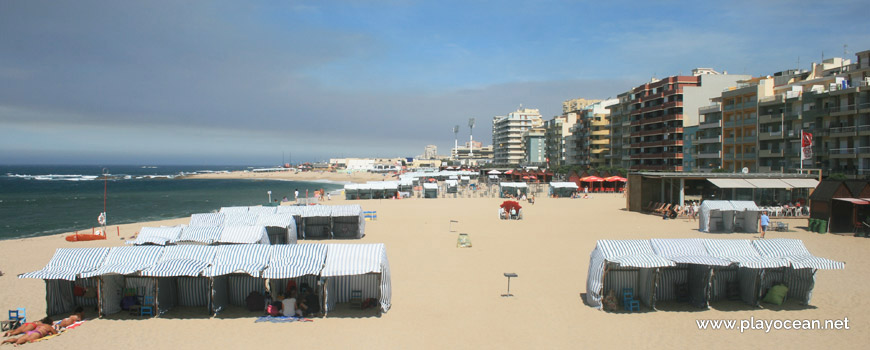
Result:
{"points": [[446, 297], [356, 177]]}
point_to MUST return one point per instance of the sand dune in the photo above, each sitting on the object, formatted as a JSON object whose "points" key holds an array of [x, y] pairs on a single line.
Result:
{"points": [[445, 297]]}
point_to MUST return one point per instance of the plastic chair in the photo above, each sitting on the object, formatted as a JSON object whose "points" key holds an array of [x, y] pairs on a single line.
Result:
{"points": [[147, 306], [356, 298], [16, 318]]}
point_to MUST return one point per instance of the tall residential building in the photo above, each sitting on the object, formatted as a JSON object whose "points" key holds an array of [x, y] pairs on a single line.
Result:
{"points": [[472, 153], [534, 147], [589, 141], [661, 108], [430, 152], [780, 123], [620, 132], [706, 147], [558, 129], [507, 134], [740, 123]]}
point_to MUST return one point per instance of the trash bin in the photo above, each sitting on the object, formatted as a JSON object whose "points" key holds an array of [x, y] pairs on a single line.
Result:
{"points": [[813, 227], [823, 226]]}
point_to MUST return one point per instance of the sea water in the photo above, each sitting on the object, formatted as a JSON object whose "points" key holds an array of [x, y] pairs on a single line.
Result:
{"points": [[45, 200]]}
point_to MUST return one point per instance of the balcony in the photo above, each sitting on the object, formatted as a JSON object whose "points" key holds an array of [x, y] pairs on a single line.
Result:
{"points": [[770, 135], [770, 118], [770, 100], [716, 139], [746, 139], [842, 152], [766, 153], [844, 131], [716, 124], [709, 109], [709, 155], [730, 124]]}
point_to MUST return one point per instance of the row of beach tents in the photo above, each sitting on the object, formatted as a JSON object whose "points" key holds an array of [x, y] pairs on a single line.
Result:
{"points": [[707, 270], [263, 225], [211, 277]]}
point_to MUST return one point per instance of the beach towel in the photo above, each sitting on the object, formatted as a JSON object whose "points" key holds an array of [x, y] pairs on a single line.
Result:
{"points": [[72, 326], [281, 319]]}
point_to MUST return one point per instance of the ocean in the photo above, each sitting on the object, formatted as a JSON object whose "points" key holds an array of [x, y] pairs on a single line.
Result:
{"points": [[46, 200]]}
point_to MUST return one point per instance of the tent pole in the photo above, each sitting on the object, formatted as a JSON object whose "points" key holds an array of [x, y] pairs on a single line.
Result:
{"points": [[156, 297]]}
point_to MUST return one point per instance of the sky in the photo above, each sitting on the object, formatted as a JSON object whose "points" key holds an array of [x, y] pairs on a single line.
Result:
{"points": [[258, 82]]}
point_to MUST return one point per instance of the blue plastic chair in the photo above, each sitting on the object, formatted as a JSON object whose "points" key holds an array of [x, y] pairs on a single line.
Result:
{"points": [[147, 306], [22, 316], [628, 300], [632, 305]]}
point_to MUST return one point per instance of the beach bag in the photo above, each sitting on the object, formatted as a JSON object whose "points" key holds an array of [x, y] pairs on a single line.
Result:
{"points": [[776, 294], [79, 291], [255, 302], [274, 309]]}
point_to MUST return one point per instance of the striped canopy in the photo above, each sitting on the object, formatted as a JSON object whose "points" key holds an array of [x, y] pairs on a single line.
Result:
{"points": [[686, 251], [157, 235], [200, 234], [207, 219], [247, 258], [182, 260], [244, 235], [794, 251], [743, 253], [260, 210], [354, 259], [233, 210], [317, 211], [346, 210], [127, 260], [294, 210], [294, 260], [276, 220], [68, 263], [240, 219], [631, 253]]}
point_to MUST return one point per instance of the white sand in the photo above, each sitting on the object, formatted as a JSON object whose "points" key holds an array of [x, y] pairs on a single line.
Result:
{"points": [[445, 297]]}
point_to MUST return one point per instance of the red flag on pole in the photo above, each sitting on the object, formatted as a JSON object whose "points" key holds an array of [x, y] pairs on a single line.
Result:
{"points": [[806, 145]]}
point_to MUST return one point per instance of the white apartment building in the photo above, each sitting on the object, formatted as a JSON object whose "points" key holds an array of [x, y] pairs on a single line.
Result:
{"points": [[507, 134]]}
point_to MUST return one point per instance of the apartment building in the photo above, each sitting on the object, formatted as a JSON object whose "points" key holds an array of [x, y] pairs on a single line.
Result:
{"points": [[589, 142], [706, 147], [507, 134], [620, 132], [659, 110], [557, 129], [472, 153], [576, 104], [534, 147]]}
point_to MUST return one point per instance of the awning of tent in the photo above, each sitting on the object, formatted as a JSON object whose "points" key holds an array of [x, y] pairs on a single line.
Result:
{"points": [[200, 234], [802, 183], [127, 260], [353, 259], [157, 235], [494, 172], [632, 253], [743, 253], [686, 251], [294, 260], [769, 183], [242, 258], [276, 220], [207, 219], [244, 235], [731, 183], [855, 201], [68, 263], [795, 252], [182, 260]]}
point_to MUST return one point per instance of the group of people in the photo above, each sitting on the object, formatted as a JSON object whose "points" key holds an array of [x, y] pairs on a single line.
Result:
{"points": [[689, 210], [293, 306], [31, 331]]}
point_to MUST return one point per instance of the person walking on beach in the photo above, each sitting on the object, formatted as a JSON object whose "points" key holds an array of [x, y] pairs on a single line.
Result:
{"points": [[296, 195], [764, 221]]}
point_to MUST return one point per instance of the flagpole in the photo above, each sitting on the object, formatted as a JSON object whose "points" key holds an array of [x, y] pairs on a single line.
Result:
{"points": [[801, 151]]}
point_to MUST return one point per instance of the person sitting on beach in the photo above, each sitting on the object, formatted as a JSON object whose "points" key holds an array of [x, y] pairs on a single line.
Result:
{"points": [[43, 328], [309, 303], [78, 315], [532, 199], [289, 305], [672, 214]]}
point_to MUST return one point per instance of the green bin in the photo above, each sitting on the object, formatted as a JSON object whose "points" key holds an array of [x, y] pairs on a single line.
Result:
{"points": [[823, 226], [813, 225]]}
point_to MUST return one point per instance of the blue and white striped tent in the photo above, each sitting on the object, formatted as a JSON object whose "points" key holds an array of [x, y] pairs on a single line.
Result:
{"points": [[207, 219], [240, 219], [741, 252], [199, 234], [615, 265], [295, 210], [62, 274], [233, 210], [120, 271], [244, 235], [362, 267], [182, 260], [693, 272], [279, 224], [179, 277], [157, 235], [800, 276], [291, 261], [261, 210], [348, 221], [235, 273]]}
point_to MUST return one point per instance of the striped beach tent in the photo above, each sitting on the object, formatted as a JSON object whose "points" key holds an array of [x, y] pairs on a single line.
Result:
{"points": [[157, 235], [348, 221], [241, 219], [207, 219], [281, 227], [618, 264], [62, 275], [233, 210], [301, 263], [693, 272], [244, 235], [800, 276], [179, 280], [317, 222], [742, 252], [199, 234], [362, 267], [261, 210], [295, 210], [182, 260], [120, 270], [748, 272], [235, 272]]}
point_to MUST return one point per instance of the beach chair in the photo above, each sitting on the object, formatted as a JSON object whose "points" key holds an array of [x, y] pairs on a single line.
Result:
{"points": [[781, 226], [16, 318], [628, 300], [147, 307], [356, 299]]}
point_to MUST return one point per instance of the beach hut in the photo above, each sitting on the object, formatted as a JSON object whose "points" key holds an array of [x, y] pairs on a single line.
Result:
{"points": [[178, 277], [452, 186], [236, 272], [365, 191], [742, 279], [162, 235], [281, 227], [464, 180], [347, 221], [378, 189], [616, 265], [207, 219], [199, 235], [65, 289], [562, 189], [241, 219], [690, 280], [120, 271], [233, 210], [512, 189], [244, 235], [800, 275], [299, 262], [728, 216], [746, 216], [356, 267], [316, 222], [406, 186], [351, 191], [430, 190], [263, 210]]}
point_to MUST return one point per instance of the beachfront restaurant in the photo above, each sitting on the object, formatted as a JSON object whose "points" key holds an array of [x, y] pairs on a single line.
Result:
{"points": [[770, 191], [840, 206], [700, 271]]}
